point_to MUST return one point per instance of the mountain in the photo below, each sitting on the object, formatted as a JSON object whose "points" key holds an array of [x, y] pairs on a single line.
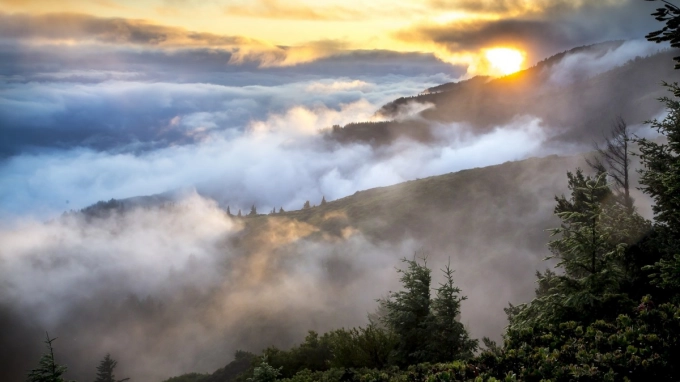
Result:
{"points": [[490, 223], [573, 101]]}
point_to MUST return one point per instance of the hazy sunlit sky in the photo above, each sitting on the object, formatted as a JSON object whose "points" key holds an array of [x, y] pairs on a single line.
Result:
{"points": [[289, 32]]}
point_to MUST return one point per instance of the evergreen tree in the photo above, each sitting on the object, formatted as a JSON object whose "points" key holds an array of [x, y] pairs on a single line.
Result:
{"points": [[306, 205], [323, 200], [228, 211], [368, 347], [281, 210], [239, 213], [450, 340], [265, 372], [253, 211], [408, 313], [669, 14], [105, 370], [590, 250], [48, 370], [660, 179]]}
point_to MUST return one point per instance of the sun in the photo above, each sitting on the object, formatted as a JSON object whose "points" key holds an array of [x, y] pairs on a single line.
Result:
{"points": [[505, 60]]}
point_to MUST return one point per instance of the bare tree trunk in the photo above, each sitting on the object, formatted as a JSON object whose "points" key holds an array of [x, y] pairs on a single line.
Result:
{"points": [[614, 159]]}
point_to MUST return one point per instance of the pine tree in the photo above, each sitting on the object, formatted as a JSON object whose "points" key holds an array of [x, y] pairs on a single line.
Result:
{"points": [[228, 211], [323, 200], [105, 370], [408, 313], [660, 179], [281, 210], [590, 246], [239, 213], [306, 205], [253, 211], [670, 14], [449, 338], [48, 370]]}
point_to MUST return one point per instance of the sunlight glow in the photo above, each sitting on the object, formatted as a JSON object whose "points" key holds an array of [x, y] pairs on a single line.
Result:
{"points": [[505, 60]]}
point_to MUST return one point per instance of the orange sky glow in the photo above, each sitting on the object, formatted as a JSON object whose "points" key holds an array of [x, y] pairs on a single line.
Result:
{"points": [[297, 31]]}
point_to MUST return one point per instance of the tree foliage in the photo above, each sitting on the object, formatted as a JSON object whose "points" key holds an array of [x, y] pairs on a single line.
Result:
{"points": [[265, 372], [449, 338], [660, 179], [48, 369], [408, 312], [105, 370], [669, 14]]}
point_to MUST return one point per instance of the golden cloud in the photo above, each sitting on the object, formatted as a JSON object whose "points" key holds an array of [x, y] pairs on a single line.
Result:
{"points": [[517, 7], [275, 9], [81, 28]]}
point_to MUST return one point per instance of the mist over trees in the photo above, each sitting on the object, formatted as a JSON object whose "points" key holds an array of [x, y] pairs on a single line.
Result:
{"points": [[609, 311]]}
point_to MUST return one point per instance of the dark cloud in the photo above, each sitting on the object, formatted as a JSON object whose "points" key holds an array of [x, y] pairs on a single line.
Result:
{"points": [[69, 26], [105, 97], [531, 35], [549, 29]]}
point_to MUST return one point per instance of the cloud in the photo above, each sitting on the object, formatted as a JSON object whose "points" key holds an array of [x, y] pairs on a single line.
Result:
{"points": [[126, 41], [68, 28], [321, 87], [113, 114], [580, 66], [540, 29], [517, 7], [280, 161], [290, 56], [275, 9], [81, 27]]}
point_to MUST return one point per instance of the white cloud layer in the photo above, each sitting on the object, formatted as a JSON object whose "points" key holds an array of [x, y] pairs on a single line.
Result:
{"points": [[281, 161]]}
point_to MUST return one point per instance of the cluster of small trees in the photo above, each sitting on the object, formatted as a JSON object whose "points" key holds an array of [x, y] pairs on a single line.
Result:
{"points": [[253, 209], [49, 370], [410, 327]]}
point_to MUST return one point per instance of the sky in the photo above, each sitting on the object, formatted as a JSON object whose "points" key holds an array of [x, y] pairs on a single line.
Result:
{"points": [[284, 33]]}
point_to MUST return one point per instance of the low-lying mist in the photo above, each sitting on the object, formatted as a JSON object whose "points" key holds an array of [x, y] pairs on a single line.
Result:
{"points": [[280, 162], [180, 287], [170, 289]]}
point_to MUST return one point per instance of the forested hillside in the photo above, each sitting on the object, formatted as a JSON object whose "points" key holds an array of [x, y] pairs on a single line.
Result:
{"points": [[608, 312]]}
